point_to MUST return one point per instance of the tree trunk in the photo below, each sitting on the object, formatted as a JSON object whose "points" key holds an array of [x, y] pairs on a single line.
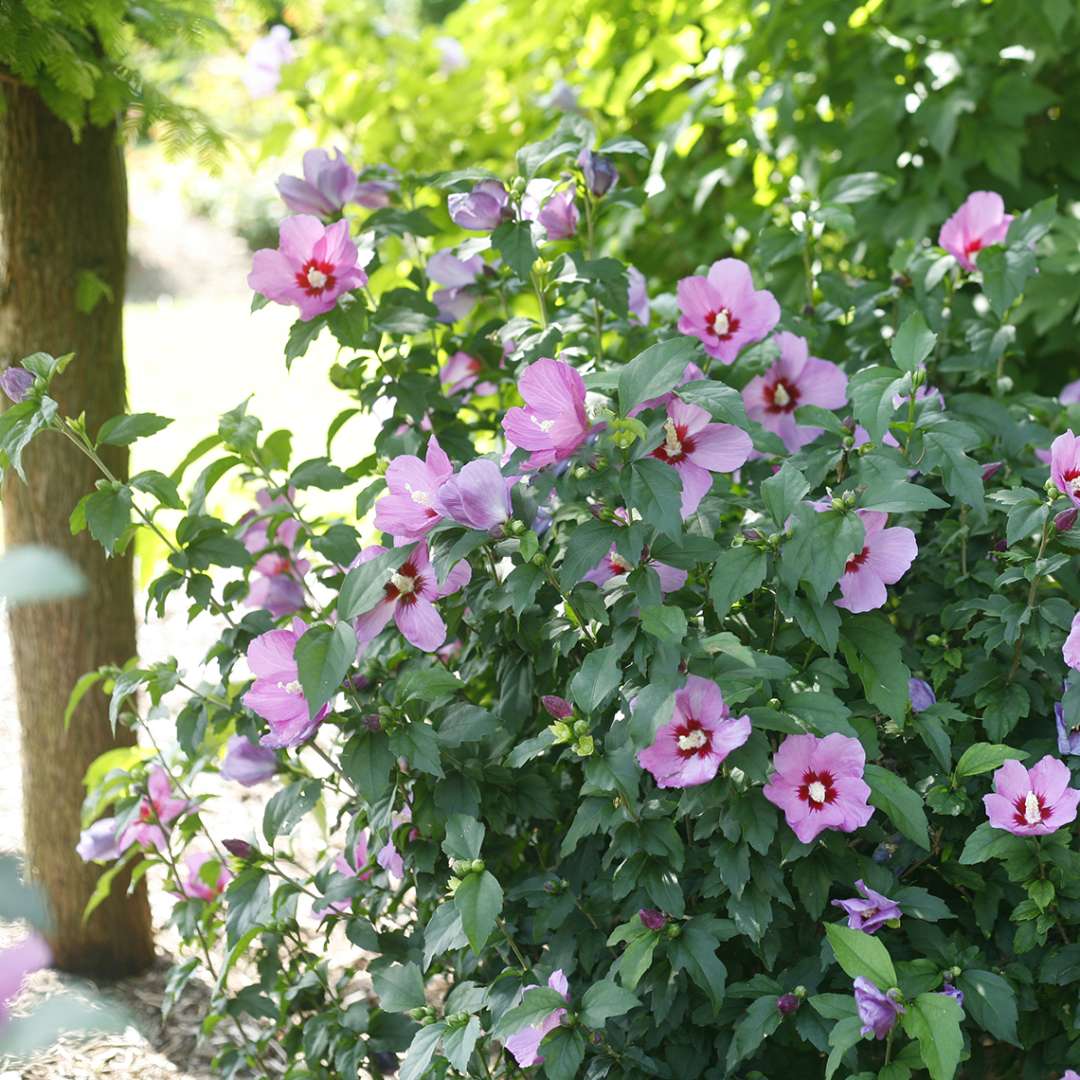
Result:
{"points": [[63, 213]]}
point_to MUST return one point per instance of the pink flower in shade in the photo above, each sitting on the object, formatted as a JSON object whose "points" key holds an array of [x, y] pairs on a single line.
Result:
{"points": [[31, 954], [409, 600], [248, 763], [980, 222], [797, 378], [1070, 393], [525, 1044], [1071, 649], [195, 888], [388, 857], [409, 511], [697, 448], [702, 732], [478, 496], [886, 556], [327, 185], [481, 209], [637, 298], [724, 311], [553, 423], [276, 694], [357, 869], [456, 299], [374, 192], [1032, 802], [311, 267], [460, 373], [869, 911], [278, 582], [1065, 465], [157, 809], [818, 784], [613, 564], [559, 216]]}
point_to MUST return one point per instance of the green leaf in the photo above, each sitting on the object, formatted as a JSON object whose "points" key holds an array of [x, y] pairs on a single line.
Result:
{"points": [[162, 487], [421, 1051], [365, 585], [934, 1019], [819, 548], [479, 899], [124, 430], [654, 489], [443, 933], [899, 497], [855, 188], [324, 655], [108, 515], [459, 1043], [913, 343], [248, 900], [664, 622], [655, 371], [591, 541], [603, 1000], [536, 1006], [871, 391], [301, 335], [873, 652], [983, 757], [367, 760], [861, 954], [723, 403], [783, 491], [984, 842], [755, 1025], [319, 473], [597, 679], [563, 1051], [464, 837], [400, 987], [1005, 272], [845, 1034], [990, 1001], [903, 806], [288, 806], [736, 573], [514, 241]]}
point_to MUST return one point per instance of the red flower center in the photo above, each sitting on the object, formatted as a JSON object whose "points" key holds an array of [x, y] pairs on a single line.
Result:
{"points": [[676, 445], [278, 564], [781, 397], [972, 246], [315, 277], [728, 324], [404, 585], [818, 789], [1072, 478], [855, 562], [146, 811], [691, 739], [1030, 809]]}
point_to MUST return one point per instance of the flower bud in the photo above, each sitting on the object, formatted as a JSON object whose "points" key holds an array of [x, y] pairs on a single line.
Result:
{"points": [[989, 470], [557, 707], [517, 186], [1051, 489], [653, 919], [585, 746], [674, 930], [850, 498], [1004, 384], [581, 727], [373, 722], [517, 528], [1066, 519], [16, 382], [580, 472], [240, 848], [477, 866], [600, 172], [786, 1004], [538, 559], [839, 504]]}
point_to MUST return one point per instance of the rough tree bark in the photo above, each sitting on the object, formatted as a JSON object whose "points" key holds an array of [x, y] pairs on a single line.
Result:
{"points": [[63, 211]]}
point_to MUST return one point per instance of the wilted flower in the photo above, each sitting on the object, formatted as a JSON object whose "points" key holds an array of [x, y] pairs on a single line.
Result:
{"points": [[481, 209], [312, 266], [16, 382], [525, 1044], [877, 1010], [553, 423], [724, 311], [99, 842], [195, 887], [31, 954], [886, 556], [871, 912], [921, 695], [599, 170], [409, 511], [327, 185], [477, 497], [818, 784], [265, 59], [248, 763], [637, 296], [981, 222], [701, 733], [1032, 802]]}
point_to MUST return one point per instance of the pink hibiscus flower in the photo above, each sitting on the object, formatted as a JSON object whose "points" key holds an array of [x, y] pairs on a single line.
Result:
{"points": [[157, 809], [409, 600], [797, 378], [697, 448], [1032, 802], [195, 888], [276, 694], [553, 423], [818, 784], [1065, 465], [409, 511], [886, 556], [31, 954], [980, 222], [702, 732], [525, 1044], [1070, 651], [311, 267], [724, 311], [357, 869], [277, 584], [461, 372]]}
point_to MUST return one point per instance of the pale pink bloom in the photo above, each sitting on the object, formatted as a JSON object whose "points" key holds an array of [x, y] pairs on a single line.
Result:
{"points": [[525, 1044], [99, 841], [981, 222], [327, 185], [553, 423], [862, 437], [478, 496], [194, 887], [1071, 649], [265, 59], [277, 584], [452, 55], [689, 749], [1070, 393], [409, 599], [613, 564], [311, 267], [456, 299], [559, 216], [409, 511], [157, 809], [637, 298], [697, 448], [724, 311], [797, 378], [1065, 465], [460, 373], [1032, 802], [886, 556], [16, 962], [388, 857], [818, 784]]}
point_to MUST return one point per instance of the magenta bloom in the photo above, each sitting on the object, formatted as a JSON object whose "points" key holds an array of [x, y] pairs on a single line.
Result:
{"points": [[637, 297], [481, 209], [157, 809], [653, 919], [16, 382], [980, 222], [248, 763], [877, 1010], [265, 59], [311, 267], [456, 299], [886, 556], [723, 310], [409, 511], [276, 694], [613, 564], [525, 1044], [1032, 802], [327, 185], [697, 449], [460, 373], [31, 954], [99, 842], [559, 216], [921, 695], [1071, 1074], [702, 732], [1065, 465], [409, 600], [557, 707], [869, 911], [477, 497], [1070, 651], [195, 888], [818, 784], [553, 423], [797, 378]]}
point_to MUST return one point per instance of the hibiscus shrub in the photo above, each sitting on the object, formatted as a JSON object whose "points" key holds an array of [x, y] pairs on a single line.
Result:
{"points": [[694, 715]]}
